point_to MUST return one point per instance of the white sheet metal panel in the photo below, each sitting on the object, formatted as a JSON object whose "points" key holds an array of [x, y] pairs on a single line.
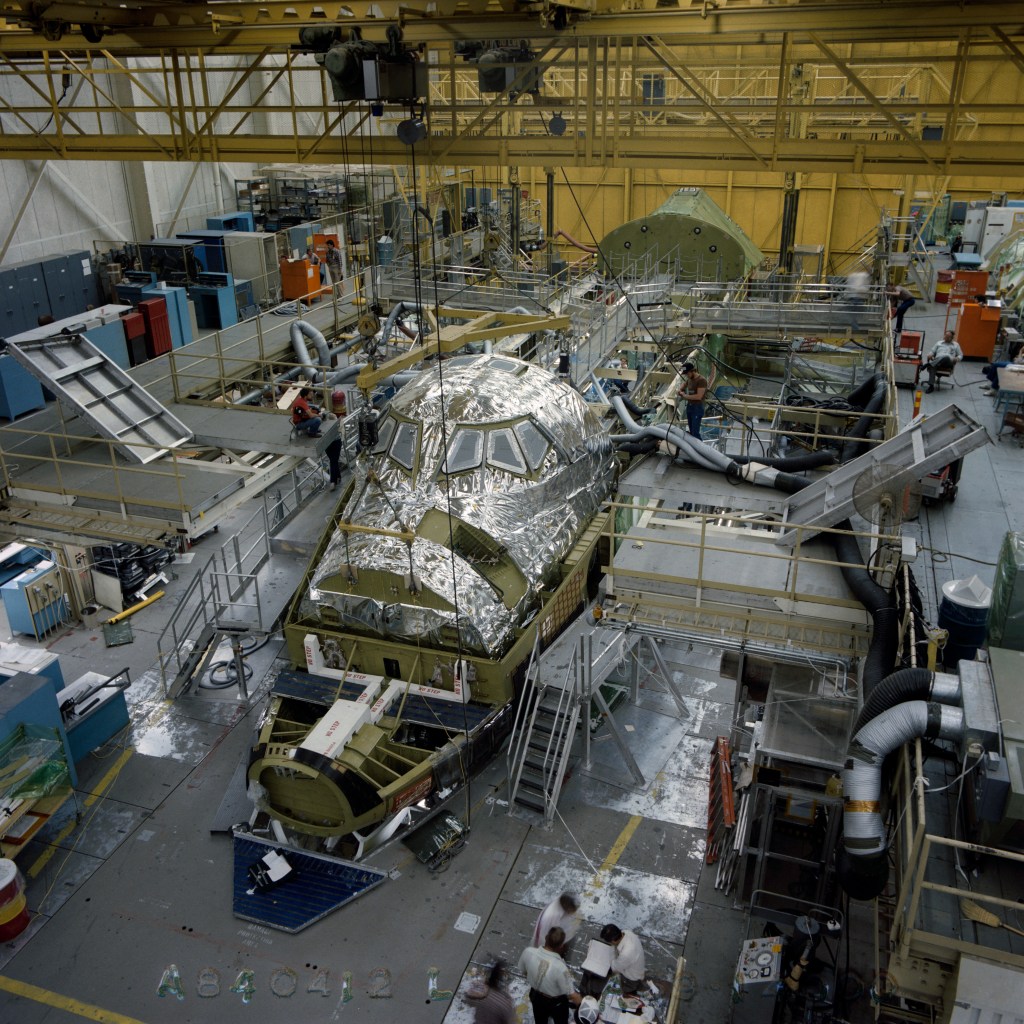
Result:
{"points": [[78, 373], [987, 993]]}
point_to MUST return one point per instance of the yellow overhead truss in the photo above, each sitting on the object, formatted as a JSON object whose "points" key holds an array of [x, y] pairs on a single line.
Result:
{"points": [[474, 328], [860, 86]]}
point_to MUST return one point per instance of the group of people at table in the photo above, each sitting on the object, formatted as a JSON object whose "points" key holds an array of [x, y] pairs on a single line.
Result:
{"points": [[554, 994]]}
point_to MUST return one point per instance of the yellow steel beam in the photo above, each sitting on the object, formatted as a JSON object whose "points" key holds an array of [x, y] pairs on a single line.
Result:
{"points": [[480, 327], [679, 153], [233, 24], [725, 107]]}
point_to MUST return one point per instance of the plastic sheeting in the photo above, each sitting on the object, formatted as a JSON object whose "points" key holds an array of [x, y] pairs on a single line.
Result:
{"points": [[1006, 612], [528, 466]]}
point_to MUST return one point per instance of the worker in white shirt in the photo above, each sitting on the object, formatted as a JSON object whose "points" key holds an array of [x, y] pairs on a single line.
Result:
{"points": [[551, 985], [563, 913], [628, 958], [946, 354]]}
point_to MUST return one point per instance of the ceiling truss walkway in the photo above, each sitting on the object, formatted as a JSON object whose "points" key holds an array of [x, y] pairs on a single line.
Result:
{"points": [[839, 87]]}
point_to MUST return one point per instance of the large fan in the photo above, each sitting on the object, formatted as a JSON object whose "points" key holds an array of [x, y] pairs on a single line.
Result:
{"points": [[883, 495]]}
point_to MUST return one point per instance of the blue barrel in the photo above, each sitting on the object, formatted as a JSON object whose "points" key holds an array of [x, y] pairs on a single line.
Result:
{"points": [[724, 392], [963, 613]]}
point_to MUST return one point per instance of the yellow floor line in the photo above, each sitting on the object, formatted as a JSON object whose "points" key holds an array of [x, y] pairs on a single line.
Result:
{"points": [[620, 844], [42, 995], [44, 858]]}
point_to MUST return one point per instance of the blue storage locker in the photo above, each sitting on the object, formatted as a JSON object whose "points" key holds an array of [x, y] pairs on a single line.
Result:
{"points": [[19, 390], [110, 340], [57, 282], [85, 285], [30, 283], [177, 314], [14, 318]]}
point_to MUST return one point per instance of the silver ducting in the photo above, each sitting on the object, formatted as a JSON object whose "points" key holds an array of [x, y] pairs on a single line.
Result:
{"points": [[689, 446], [397, 310], [863, 827], [946, 688], [300, 329]]}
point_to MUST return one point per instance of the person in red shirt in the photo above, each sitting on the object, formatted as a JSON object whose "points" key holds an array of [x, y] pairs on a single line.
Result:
{"points": [[306, 417]]}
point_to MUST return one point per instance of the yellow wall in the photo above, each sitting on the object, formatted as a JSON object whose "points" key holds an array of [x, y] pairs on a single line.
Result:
{"points": [[839, 212]]}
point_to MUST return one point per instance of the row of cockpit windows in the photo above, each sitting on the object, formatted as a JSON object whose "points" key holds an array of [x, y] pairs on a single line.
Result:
{"points": [[519, 448]]}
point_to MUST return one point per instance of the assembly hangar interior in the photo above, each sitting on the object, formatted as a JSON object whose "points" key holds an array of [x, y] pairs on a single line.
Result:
{"points": [[643, 548]]}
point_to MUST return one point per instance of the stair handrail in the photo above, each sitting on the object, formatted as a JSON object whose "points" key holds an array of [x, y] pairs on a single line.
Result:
{"points": [[520, 733], [567, 695], [569, 722]]}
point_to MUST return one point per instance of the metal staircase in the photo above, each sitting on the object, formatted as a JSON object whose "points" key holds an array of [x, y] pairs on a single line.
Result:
{"points": [[539, 751], [562, 686]]}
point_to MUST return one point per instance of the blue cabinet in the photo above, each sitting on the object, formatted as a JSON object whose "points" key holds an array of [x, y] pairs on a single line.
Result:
{"points": [[32, 661], [32, 288], [237, 221], [100, 711], [34, 601], [70, 283], [110, 340], [31, 701], [214, 296], [177, 313], [19, 390]]}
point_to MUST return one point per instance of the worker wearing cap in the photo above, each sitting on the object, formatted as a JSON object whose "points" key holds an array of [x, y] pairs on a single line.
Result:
{"points": [[692, 392]]}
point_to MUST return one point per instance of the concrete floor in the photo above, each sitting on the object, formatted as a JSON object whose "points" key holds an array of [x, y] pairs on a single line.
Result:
{"points": [[139, 883]]}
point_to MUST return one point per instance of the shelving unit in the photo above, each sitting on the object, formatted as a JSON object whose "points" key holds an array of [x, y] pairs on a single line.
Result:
{"points": [[280, 201]]}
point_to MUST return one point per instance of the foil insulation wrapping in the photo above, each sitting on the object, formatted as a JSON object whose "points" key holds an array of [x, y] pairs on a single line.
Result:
{"points": [[531, 488]]}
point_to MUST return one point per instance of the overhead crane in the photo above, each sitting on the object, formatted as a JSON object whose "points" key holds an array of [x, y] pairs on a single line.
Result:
{"points": [[859, 87]]}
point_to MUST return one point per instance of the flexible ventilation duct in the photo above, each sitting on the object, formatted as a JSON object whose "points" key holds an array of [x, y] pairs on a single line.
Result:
{"points": [[870, 396], [908, 684], [299, 330], [863, 867]]}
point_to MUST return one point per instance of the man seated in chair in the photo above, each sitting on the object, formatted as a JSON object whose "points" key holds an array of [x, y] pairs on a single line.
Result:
{"points": [[306, 417], [944, 357]]}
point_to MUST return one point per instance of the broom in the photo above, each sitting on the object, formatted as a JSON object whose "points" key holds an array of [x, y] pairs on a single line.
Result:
{"points": [[973, 912]]}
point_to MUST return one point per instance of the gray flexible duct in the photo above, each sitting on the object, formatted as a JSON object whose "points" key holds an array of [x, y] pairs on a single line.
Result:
{"points": [[296, 371], [864, 870], [689, 447], [300, 328], [396, 311], [908, 684]]}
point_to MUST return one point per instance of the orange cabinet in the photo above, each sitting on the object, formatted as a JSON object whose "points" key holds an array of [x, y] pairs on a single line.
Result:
{"points": [[300, 280], [976, 329]]}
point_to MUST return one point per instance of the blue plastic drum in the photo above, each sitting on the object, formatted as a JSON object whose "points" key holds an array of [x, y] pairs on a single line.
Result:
{"points": [[963, 613]]}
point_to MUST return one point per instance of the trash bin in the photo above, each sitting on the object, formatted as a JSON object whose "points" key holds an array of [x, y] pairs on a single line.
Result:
{"points": [[963, 612], [91, 616]]}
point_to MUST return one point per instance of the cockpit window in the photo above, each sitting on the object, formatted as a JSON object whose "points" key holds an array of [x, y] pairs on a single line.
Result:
{"points": [[503, 452], [465, 452], [385, 431], [404, 446], [534, 443]]}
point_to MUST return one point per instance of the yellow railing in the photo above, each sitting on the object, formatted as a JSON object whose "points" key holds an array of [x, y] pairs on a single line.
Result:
{"points": [[71, 464], [923, 954]]}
